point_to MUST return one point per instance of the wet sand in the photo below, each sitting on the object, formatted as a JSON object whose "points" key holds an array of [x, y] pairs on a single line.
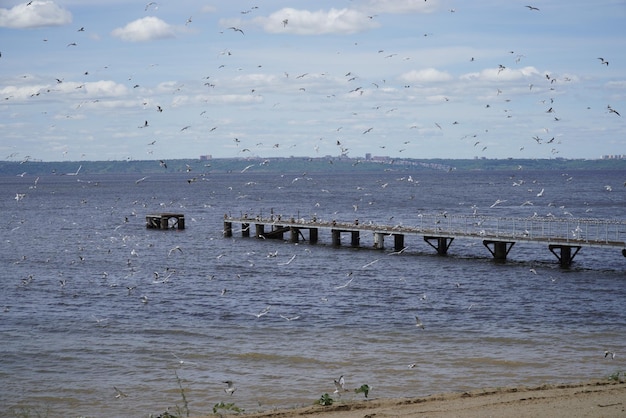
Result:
{"points": [[590, 399]]}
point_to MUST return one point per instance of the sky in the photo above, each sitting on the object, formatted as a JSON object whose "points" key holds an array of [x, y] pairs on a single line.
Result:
{"points": [[135, 80]]}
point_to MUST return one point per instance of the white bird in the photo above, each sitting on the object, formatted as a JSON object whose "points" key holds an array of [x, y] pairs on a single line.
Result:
{"points": [[345, 284], [119, 393], [540, 193], [418, 323], [608, 353], [340, 385], [290, 318], [287, 262], [174, 249], [497, 202], [264, 311], [230, 387]]}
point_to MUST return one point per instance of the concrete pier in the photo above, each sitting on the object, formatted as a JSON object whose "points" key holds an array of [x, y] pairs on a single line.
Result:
{"points": [[165, 221], [500, 249], [498, 235]]}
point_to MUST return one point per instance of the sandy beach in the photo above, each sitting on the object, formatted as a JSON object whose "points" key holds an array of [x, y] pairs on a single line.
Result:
{"points": [[589, 399]]}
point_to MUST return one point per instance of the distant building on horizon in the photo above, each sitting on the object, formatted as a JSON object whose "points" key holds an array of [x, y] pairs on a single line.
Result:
{"points": [[206, 157]]}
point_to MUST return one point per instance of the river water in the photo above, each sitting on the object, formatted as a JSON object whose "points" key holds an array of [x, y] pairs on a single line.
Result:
{"points": [[93, 302]]}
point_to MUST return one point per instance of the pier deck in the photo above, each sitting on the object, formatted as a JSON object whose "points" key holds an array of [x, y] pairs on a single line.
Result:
{"points": [[564, 236]]}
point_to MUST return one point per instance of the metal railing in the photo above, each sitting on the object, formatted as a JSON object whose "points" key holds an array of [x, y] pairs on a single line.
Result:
{"points": [[572, 231]]}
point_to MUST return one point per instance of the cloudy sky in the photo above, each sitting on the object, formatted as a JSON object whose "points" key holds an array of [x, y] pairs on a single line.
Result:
{"points": [[138, 80]]}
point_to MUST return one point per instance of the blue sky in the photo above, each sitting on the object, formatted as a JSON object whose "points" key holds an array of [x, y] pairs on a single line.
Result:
{"points": [[138, 80]]}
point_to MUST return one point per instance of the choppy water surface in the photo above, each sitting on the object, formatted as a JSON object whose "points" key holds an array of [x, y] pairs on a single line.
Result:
{"points": [[92, 300]]}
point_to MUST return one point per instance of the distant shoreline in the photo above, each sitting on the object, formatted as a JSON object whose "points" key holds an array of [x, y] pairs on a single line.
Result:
{"points": [[326, 164]]}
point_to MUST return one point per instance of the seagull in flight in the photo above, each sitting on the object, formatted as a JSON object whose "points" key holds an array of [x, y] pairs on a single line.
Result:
{"points": [[603, 61], [263, 312], [608, 353], [345, 284], [532, 8], [340, 385], [119, 393], [230, 387], [236, 30], [174, 249], [418, 323]]}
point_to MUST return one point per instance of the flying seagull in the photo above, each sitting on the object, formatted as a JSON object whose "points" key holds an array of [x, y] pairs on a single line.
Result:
{"points": [[603, 61], [230, 388], [532, 8], [236, 30], [340, 385], [418, 323]]}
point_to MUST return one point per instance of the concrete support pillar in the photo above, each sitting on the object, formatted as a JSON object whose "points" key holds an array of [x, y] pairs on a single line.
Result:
{"points": [[277, 232], [228, 229], [398, 242], [355, 241], [245, 230], [259, 230], [443, 243], [500, 249], [181, 222], [336, 237], [295, 234], [379, 240], [312, 235], [564, 253]]}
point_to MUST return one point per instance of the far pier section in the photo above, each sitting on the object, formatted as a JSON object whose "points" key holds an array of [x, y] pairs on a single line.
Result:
{"points": [[564, 237], [165, 221]]}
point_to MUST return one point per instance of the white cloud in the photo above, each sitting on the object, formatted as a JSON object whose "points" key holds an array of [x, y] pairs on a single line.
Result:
{"points": [[427, 75], [35, 14], [146, 29], [305, 22], [398, 6], [502, 74]]}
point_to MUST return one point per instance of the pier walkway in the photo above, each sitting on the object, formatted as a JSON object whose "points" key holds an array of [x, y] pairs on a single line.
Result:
{"points": [[563, 236]]}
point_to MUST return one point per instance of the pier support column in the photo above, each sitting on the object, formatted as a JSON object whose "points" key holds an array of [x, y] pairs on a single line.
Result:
{"points": [[259, 230], [277, 232], [443, 243], [379, 240], [336, 237], [312, 235], [355, 239], [180, 222], [398, 242], [165, 222], [294, 234], [500, 249], [228, 229], [564, 253], [245, 230]]}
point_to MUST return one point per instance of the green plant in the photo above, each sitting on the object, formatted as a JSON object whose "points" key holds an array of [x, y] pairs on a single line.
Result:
{"points": [[227, 407], [185, 407], [364, 389], [618, 376], [326, 400]]}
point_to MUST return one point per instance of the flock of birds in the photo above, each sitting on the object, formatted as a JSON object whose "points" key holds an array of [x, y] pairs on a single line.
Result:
{"points": [[357, 87]]}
